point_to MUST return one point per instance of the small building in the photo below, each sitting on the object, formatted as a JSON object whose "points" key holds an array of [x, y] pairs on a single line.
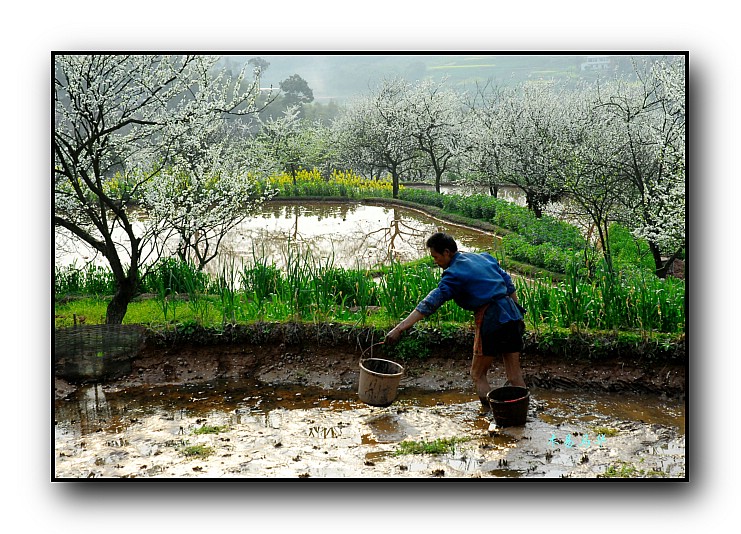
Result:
{"points": [[596, 63]]}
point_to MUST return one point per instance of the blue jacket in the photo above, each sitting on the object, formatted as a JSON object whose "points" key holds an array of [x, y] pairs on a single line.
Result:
{"points": [[473, 280]]}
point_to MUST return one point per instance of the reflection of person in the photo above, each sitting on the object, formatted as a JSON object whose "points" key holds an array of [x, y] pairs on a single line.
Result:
{"points": [[476, 282]]}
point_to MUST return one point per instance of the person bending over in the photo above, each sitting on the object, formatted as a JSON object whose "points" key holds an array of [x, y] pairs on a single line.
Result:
{"points": [[475, 282]]}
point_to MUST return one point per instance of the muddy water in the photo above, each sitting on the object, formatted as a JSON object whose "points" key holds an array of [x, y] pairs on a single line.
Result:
{"points": [[342, 234], [347, 234], [258, 430]]}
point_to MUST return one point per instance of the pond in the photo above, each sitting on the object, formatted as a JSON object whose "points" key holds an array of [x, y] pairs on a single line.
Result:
{"points": [[245, 428], [342, 234], [347, 235]]}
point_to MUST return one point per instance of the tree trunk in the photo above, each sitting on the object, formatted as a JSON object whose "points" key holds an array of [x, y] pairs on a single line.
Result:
{"points": [[395, 183], [116, 310], [534, 204], [662, 268]]}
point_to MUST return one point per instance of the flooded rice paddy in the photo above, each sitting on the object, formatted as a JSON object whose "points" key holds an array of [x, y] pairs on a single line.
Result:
{"points": [[343, 234], [247, 429]]}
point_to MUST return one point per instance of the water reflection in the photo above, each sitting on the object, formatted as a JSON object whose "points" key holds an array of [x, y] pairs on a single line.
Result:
{"points": [[349, 235], [340, 234]]}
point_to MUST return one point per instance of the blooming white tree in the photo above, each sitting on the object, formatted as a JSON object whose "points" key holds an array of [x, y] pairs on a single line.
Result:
{"points": [[200, 202], [595, 190], [649, 152], [119, 121], [376, 131], [281, 138], [483, 139], [530, 126], [437, 123]]}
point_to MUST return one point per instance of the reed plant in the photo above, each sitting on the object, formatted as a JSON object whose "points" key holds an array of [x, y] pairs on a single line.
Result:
{"points": [[196, 285], [403, 286], [165, 297], [89, 280], [311, 288], [227, 286], [630, 300]]}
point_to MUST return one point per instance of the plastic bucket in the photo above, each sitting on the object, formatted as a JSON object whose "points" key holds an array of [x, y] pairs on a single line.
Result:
{"points": [[379, 380], [509, 405]]}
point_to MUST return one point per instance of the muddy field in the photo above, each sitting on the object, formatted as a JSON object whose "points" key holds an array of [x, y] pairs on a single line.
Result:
{"points": [[290, 410]]}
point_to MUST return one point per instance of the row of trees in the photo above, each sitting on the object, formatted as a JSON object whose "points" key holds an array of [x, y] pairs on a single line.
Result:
{"points": [[187, 143], [614, 150]]}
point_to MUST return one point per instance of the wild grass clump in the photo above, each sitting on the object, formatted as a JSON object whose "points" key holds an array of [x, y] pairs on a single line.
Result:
{"points": [[210, 429], [437, 446], [88, 280], [199, 451]]}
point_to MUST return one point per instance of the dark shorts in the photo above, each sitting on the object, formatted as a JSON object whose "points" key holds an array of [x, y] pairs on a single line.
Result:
{"points": [[505, 337]]}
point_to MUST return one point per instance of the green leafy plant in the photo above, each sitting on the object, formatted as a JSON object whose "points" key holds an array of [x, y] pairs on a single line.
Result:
{"points": [[210, 429], [437, 446], [200, 451]]}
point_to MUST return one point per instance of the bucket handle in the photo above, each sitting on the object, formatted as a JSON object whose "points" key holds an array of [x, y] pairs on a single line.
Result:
{"points": [[362, 354]]}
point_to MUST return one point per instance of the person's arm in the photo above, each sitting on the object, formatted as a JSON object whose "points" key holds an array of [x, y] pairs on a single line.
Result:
{"points": [[429, 305], [395, 334]]}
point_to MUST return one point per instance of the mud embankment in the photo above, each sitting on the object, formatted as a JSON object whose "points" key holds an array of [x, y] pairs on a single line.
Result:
{"points": [[328, 356]]}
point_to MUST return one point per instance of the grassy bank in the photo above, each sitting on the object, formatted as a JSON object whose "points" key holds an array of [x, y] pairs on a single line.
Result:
{"points": [[572, 312], [571, 320]]}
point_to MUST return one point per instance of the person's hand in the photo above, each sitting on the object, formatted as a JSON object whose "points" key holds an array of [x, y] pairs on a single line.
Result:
{"points": [[393, 336]]}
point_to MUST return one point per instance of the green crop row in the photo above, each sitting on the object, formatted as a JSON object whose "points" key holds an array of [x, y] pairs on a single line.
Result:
{"points": [[307, 290], [632, 301]]}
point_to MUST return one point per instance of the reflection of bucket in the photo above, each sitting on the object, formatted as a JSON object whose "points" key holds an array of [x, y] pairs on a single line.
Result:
{"points": [[378, 381], [509, 405]]}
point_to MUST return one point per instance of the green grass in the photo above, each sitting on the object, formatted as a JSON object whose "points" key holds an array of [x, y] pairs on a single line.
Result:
{"points": [[92, 310], [629, 301], [317, 292], [211, 429], [605, 431], [199, 451], [626, 470], [437, 446]]}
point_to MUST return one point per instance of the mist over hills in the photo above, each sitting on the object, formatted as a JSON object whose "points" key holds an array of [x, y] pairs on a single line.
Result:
{"points": [[339, 76]]}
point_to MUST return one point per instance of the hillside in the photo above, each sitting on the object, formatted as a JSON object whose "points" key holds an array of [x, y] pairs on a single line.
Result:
{"points": [[338, 76]]}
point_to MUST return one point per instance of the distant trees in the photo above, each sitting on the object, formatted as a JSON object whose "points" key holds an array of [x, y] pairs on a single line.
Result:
{"points": [[259, 63], [438, 124], [296, 91], [484, 157], [401, 127], [621, 156], [650, 124], [585, 169]]}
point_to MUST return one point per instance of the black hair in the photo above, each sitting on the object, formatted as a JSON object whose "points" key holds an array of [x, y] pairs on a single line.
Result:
{"points": [[440, 241]]}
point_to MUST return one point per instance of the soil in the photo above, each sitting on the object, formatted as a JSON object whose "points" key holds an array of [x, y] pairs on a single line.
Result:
{"points": [[336, 366], [289, 408]]}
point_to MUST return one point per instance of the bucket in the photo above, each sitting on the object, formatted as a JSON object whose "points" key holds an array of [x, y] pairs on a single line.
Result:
{"points": [[509, 405], [378, 381]]}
